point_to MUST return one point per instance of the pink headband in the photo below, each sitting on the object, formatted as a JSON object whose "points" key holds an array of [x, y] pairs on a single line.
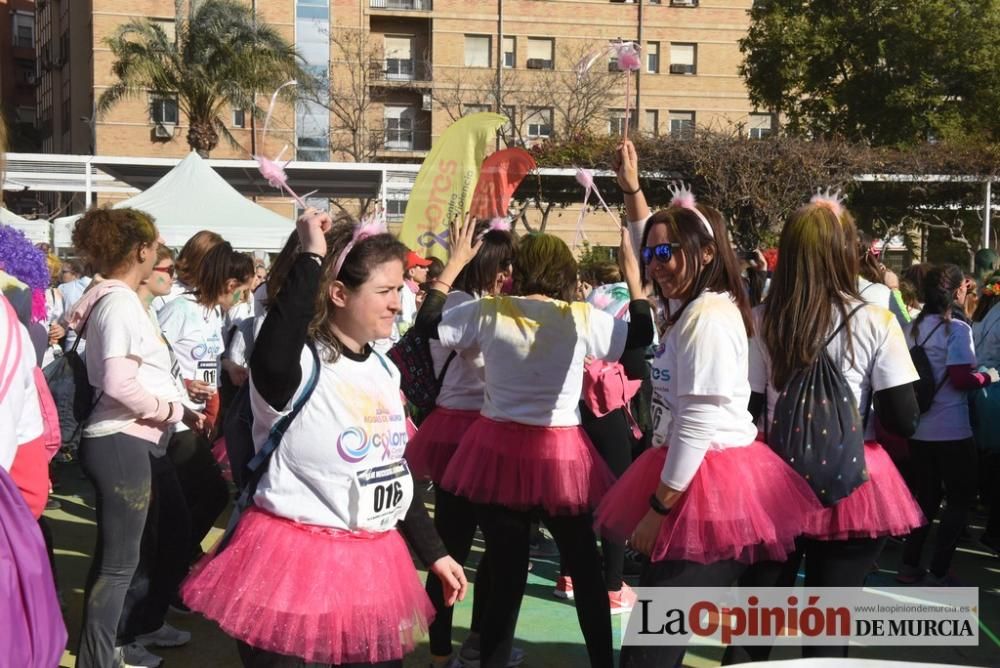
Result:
{"points": [[829, 199], [684, 198], [369, 226]]}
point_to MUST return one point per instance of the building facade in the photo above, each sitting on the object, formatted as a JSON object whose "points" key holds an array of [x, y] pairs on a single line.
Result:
{"points": [[401, 71]]}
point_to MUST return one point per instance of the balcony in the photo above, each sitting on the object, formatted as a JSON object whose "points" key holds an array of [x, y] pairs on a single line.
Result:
{"points": [[401, 5], [401, 70], [401, 140]]}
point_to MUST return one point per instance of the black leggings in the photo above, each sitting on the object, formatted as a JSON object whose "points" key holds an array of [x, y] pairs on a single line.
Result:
{"points": [[507, 534], [687, 574], [119, 468], [164, 553], [941, 469], [455, 521], [254, 657], [612, 437], [829, 563], [205, 490]]}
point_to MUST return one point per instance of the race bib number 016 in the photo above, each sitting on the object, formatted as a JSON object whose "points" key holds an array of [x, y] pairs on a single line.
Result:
{"points": [[208, 372], [384, 494]]}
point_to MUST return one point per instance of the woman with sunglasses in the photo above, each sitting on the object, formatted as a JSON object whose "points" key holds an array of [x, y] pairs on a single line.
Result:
{"points": [[709, 499]]}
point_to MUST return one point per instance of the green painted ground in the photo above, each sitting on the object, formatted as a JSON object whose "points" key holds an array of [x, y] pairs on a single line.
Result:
{"points": [[547, 627]]}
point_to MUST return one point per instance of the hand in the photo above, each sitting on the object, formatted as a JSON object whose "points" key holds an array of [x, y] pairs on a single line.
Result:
{"points": [[464, 247], [891, 279], [626, 165], [194, 420], [200, 391], [994, 375], [453, 580], [56, 332], [237, 374], [312, 227], [628, 262], [759, 260], [645, 534]]}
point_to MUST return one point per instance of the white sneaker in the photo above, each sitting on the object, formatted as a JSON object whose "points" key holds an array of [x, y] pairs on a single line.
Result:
{"points": [[165, 636], [137, 656]]}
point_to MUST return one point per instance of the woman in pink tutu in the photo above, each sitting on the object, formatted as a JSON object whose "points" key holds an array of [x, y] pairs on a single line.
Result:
{"points": [[459, 401], [813, 293], [316, 572], [526, 457], [710, 499]]}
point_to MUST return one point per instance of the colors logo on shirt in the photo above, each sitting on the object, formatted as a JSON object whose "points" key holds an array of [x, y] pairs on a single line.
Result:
{"points": [[354, 444]]}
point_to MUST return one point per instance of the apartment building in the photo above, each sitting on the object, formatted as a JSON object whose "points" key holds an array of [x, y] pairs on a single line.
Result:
{"points": [[17, 70], [401, 71]]}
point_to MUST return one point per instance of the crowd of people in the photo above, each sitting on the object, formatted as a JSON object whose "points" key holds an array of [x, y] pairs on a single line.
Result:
{"points": [[659, 408]]}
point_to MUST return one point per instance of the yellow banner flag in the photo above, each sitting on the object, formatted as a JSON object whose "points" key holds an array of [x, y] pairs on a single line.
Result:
{"points": [[445, 183]]}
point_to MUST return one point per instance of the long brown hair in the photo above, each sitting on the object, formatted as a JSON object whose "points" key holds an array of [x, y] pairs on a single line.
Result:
{"points": [[358, 265], [817, 269], [721, 274], [193, 254], [496, 255]]}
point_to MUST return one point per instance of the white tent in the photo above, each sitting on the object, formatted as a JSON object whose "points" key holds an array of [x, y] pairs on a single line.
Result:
{"points": [[193, 197], [37, 231]]}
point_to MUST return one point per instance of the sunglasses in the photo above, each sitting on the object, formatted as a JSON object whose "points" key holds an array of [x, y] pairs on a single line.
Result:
{"points": [[169, 271], [661, 252]]}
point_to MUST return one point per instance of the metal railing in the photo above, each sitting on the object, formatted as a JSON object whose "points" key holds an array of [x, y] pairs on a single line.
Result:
{"points": [[403, 139], [421, 5], [400, 69]]}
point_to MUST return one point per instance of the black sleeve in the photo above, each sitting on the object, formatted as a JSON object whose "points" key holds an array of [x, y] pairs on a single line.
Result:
{"points": [[429, 315], [275, 361], [756, 405], [897, 410], [418, 529], [640, 326]]}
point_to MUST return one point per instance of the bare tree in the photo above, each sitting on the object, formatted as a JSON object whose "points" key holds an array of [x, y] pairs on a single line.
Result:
{"points": [[355, 66], [579, 101], [457, 92]]}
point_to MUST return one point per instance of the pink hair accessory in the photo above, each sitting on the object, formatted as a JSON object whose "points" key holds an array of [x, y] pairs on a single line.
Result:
{"points": [[273, 172], [501, 224], [683, 197], [370, 226], [829, 199]]}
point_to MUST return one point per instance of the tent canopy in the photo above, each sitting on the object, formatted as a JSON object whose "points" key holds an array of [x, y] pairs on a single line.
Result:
{"points": [[37, 231], [193, 197]]}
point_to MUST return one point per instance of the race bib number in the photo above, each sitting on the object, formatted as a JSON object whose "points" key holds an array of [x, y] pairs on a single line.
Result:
{"points": [[661, 423], [384, 494], [208, 372]]}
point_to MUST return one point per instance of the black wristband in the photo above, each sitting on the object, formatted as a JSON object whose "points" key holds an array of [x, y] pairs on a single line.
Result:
{"points": [[315, 256], [628, 192], [658, 506]]}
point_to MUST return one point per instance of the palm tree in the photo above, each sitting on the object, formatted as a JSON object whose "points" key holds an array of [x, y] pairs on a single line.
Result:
{"points": [[221, 56]]}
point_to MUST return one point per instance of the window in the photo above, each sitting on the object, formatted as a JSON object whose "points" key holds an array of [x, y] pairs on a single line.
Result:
{"points": [[510, 52], [478, 51], [23, 27], [395, 209], [168, 27], [761, 125], [399, 127], [683, 58], [474, 108], [653, 57], [539, 122], [651, 122], [163, 110], [616, 121], [682, 124], [239, 118], [399, 57], [683, 3], [25, 72], [540, 50]]}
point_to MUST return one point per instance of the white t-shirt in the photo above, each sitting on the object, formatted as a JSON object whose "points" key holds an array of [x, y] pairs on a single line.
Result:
{"points": [[534, 351], [20, 412], [120, 326], [463, 386], [877, 294], [881, 358], [71, 293], [704, 354], [986, 335], [347, 441], [195, 334], [950, 344]]}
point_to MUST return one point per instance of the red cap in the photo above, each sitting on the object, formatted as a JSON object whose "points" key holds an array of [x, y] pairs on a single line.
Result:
{"points": [[414, 260]]}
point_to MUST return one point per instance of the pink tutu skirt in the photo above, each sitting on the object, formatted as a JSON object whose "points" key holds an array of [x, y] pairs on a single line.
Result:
{"points": [[324, 595], [429, 452], [743, 503], [882, 506], [522, 467]]}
